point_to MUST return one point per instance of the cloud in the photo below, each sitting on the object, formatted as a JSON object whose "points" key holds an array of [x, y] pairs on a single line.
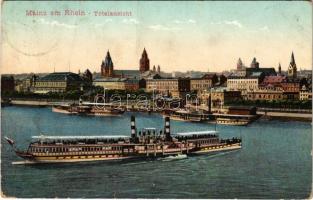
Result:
{"points": [[189, 21], [159, 27], [105, 22], [232, 23], [130, 21], [56, 23]]}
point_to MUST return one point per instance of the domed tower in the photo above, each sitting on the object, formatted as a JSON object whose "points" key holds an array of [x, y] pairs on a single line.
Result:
{"points": [[254, 64], [239, 64], [144, 62], [292, 69], [107, 66]]}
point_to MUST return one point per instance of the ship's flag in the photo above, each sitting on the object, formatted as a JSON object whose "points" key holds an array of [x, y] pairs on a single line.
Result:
{"points": [[10, 141]]}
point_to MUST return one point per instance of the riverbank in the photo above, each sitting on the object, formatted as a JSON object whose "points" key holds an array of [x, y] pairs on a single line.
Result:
{"points": [[265, 114]]}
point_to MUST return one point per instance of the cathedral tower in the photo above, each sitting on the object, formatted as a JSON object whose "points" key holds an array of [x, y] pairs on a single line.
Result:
{"points": [[254, 64], [144, 62], [107, 66], [239, 64]]}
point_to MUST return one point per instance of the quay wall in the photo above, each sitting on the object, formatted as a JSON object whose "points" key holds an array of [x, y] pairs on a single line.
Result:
{"points": [[286, 116], [302, 116]]}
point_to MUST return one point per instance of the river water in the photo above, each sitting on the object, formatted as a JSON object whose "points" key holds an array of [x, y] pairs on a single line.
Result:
{"points": [[274, 161]]}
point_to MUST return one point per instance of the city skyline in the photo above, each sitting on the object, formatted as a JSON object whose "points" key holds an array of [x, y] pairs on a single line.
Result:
{"points": [[202, 36]]}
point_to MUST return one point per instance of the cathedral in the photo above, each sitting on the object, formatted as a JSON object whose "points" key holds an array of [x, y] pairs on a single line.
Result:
{"points": [[144, 63], [292, 69], [107, 66]]}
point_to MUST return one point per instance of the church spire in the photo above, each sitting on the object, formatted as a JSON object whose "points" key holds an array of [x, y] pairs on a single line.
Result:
{"points": [[292, 69], [292, 61], [279, 68]]}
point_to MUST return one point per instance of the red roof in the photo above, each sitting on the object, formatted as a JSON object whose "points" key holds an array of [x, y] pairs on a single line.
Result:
{"points": [[273, 79]]}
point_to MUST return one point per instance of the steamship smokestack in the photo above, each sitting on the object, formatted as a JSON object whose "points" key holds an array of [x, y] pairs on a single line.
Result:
{"points": [[133, 127], [167, 129], [209, 103]]}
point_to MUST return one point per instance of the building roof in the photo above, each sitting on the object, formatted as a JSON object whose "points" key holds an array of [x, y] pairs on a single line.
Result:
{"points": [[61, 76], [256, 74], [273, 79], [267, 71], [197, 133], [115, 80], [43, 137], [128, 73]]}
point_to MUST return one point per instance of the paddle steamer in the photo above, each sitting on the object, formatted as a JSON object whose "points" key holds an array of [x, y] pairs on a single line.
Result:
{"points": [[86, 108], [145, 143]]}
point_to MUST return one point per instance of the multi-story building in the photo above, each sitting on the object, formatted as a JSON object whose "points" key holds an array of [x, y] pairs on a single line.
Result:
{"points": [[168, 86], [305, 93], [243, 83], [267, 93], [219, 96], [200, 84], [58, 82], [27, 84], [291, 85], [117, 83]]}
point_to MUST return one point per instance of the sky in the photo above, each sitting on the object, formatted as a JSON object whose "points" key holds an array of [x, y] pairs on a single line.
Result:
{"points": [[178, 36]]}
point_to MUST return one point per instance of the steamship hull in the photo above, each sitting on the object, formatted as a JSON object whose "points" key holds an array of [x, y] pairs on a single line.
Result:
{"points": [[62, 110], [141, 155]]}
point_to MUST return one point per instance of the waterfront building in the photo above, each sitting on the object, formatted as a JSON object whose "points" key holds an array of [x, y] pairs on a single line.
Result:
{"points": [[200, 84], [292, 69], [7, 84], [291, 85], [27, 84], [291, 95], [107, 68], [144, 62], [266, 93], [305, 93], [58, 82], [117, 83], [219, 96], [168, 86], [243, 83]]}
